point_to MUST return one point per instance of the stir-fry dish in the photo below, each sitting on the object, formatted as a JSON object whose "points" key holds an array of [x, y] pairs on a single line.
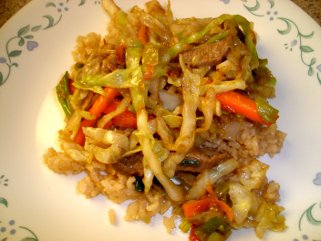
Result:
{"points": [[173, 115]]}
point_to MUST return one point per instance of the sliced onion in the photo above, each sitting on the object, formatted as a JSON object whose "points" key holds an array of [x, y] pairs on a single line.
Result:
{"points": [[170, 101]]}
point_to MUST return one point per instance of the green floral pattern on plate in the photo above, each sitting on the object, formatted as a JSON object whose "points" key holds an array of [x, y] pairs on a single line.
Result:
{"points": [[308, 217], [305, 51], [24, 39], [8, 228]]}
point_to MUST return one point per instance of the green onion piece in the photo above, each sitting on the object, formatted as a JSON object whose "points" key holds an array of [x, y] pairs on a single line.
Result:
{"points": [[78, 66], [63, 93], [185, 226], [221, 190], [139, 185], [268, 113], [215, 224], [190, 163]]}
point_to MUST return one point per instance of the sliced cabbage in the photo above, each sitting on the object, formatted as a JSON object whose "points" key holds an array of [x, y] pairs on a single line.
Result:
{"points": [[225, 86], [73, 150], [145, 137], [191, 91], [97, 139], [120, 78], [208, 105], [171, 162], [242, 201], [173, 121], [209, 177]]}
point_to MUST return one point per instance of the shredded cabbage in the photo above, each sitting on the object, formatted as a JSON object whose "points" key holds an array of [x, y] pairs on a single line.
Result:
{"points": [[161, 123], [209, 177], [242, 201]]}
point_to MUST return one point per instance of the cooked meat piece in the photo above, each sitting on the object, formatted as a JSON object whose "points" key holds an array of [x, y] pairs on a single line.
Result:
{"points": [[186, 178], [207, 54], [131, 165], [197, 160]]}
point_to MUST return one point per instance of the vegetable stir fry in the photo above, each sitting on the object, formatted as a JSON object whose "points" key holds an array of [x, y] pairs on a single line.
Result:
{"points": [[173, 113]]}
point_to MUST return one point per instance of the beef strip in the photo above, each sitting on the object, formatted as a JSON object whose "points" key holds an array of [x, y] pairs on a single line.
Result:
{"points": [[208, 53], [204, 160], [131, 165]]}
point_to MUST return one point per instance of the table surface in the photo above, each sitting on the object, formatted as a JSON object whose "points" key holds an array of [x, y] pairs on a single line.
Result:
{"points": [[10, 7]]}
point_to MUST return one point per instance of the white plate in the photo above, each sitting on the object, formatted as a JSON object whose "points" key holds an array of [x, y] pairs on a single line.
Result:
{"points": [[35, 49]]}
